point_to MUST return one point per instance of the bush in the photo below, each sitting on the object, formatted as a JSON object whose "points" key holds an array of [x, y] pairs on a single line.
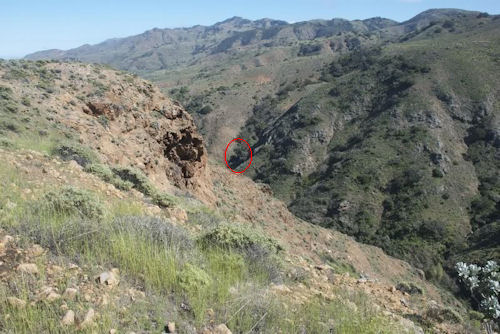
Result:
{"points": [[482, 285], [239, 238], [259, 250], [106, 174], [205, 110], [70, 201], [436, 172], [164, 200], [192, 278], [81, 154], [135, 176]]}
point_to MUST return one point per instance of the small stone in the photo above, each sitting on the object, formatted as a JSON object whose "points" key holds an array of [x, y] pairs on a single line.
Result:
{"points": [[73, 266], [110, 278], [16, 302], [7, 239], [56, 269], [70, 293], [53, 296], [112, 331], [69, 318], [170, 327], [88, 321], [28, 268], [74, 165], [222, 329], [105, 300], [35, 251]]}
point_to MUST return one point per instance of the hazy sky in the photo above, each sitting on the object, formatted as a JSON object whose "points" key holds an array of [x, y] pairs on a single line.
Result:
{"points": [[28, 26]]}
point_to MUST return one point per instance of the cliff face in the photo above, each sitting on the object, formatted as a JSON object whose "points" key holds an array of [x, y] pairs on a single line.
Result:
{"points": [[123, 118]]}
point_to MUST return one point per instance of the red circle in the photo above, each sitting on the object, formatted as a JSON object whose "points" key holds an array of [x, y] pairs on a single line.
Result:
{"points": [[225, 155]]}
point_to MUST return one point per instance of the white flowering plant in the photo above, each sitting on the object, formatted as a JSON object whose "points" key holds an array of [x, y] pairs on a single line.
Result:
{"points": [[483, 285]]}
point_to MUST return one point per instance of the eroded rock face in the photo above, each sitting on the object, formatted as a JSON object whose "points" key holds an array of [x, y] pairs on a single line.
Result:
{"points": [[129, 122], [164, 129]]}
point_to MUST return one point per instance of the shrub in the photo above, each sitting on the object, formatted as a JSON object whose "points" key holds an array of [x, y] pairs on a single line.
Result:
{"points": [[70, 201], [436, 172], [164, 200], [239, 238], [205, 110], [482, 285], [81, 154], [135, 176], [192, 278], [106, 174]]}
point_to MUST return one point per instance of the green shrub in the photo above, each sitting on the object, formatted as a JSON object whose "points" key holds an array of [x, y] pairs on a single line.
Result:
{"points": [[164, 200], [240, 238], [135, 176], [106, 174], [192, 278], [26, 101], [70, 201], [81, 154], [436, 172]]}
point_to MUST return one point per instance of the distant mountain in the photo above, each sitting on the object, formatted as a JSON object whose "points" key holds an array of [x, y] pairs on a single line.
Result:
{"points": [[158, 49]]}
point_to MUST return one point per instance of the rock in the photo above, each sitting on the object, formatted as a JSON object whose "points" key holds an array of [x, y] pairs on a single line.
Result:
{"points": [[109, 278], [170, 327], [88, 321], [113, 331], [35, 251], [70, 293], [56, 269], [52, 296], [28, 268], [68, 319], [221, 329], [177, 214], [7, 239], [72, 164], [16, 302]]}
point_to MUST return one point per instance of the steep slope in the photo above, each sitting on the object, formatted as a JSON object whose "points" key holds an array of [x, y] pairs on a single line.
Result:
{"points": [[104, 109], [236, 260], [387, 148]]}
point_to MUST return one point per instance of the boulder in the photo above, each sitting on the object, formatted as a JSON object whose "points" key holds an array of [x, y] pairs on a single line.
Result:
{"points": [[68, 319]]}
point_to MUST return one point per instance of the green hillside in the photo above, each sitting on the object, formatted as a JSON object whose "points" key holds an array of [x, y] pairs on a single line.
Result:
{"points": [[398, 146]]}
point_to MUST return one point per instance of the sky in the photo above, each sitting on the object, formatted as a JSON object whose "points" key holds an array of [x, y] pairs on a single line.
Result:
{"points": [[31, 25]]}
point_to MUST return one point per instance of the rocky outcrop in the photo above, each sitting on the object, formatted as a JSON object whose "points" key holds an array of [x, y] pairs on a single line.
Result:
{"points": [[129, 122]]}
